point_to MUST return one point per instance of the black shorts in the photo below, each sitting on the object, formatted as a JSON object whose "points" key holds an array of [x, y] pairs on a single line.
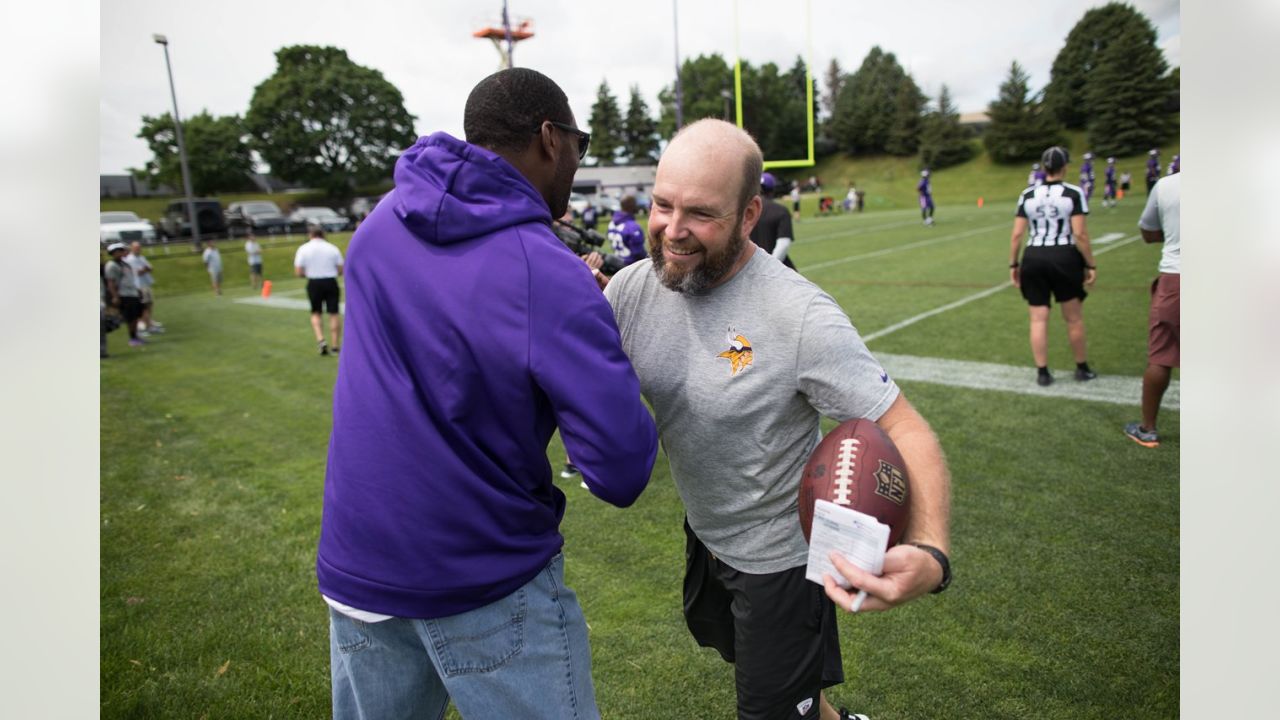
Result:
{"points": [[1056, 270], [779, 630], [324, 291], [130, 308], [255, 268]]}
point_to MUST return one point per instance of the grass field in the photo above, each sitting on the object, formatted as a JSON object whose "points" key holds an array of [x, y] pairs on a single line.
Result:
{"points": [[1064, 543]]}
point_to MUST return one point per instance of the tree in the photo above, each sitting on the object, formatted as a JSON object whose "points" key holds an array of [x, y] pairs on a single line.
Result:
{"points": [[703, 80], [1021, 126], [1081, 57], [774, 110], [217, 155], [835, 80], [1127, 96], [908, 112], [878, 107], [943, 140], [326, 121], [640, 131], [606, 126]]}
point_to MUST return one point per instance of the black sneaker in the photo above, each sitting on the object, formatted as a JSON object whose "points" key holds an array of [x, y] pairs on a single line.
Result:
{"points": [[846, 715], [569, 471], [1044, 379], [1084, 373], [335, 349], [324, 347]]}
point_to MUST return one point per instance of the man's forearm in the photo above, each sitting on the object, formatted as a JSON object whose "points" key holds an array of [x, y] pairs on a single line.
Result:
{"points": [[930, 514]]}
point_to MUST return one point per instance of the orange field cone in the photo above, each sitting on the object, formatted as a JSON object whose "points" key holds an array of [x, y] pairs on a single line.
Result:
{"points": [[1119, 194], [979, 201], [266, 288]]}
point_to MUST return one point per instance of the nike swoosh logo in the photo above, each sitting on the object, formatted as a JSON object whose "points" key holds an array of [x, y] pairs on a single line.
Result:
{"points": [[884, 377]]}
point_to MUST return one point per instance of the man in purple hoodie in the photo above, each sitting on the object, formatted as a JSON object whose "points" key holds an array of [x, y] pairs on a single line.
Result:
{"points": [[473, 333]]}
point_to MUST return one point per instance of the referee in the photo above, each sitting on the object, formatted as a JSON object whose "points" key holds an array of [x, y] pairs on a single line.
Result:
{"points": [[1058, 261], [320, 262]]}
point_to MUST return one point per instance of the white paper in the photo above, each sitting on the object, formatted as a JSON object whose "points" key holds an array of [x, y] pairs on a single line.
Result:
{"points": [[859, 537]]}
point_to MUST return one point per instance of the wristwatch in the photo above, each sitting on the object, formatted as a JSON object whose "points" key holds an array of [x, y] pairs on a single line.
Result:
{"points": [[941, 557]]}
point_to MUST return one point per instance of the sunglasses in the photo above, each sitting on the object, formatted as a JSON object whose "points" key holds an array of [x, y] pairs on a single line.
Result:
{"points": [[584, 138]]}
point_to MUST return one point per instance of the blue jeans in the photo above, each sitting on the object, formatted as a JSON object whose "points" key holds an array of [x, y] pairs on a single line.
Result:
{"points": [[524, 656]]}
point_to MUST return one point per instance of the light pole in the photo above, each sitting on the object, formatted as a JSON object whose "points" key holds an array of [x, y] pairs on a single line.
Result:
{"points": [[182, 147]]}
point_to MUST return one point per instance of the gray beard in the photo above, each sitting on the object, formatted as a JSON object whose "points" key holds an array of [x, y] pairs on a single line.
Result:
{"points": [[702, 278]]}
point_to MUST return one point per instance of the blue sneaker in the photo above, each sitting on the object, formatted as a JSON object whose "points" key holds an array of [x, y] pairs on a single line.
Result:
{"points": [[1141, 435]]}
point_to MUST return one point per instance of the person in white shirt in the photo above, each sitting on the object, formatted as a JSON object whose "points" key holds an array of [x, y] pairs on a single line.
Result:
{"points": [[253, 251], [213, 263], [320, 262]]}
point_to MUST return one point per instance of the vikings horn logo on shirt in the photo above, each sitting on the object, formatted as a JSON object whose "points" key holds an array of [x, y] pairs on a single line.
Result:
{"points": [[739, 352]]}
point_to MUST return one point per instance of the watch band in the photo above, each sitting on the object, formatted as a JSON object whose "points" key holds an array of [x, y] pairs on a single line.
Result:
{"points": [[941, 557]]}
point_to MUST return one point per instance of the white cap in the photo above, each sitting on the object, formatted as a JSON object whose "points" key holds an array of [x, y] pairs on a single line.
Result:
{"points": [[116, 246]]}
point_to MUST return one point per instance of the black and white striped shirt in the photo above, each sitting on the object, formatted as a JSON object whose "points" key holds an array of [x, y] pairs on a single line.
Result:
{"points": [[1049, 209]]}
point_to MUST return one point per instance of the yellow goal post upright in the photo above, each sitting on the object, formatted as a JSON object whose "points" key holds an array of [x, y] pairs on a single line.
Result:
{"points": [[808, 86]]}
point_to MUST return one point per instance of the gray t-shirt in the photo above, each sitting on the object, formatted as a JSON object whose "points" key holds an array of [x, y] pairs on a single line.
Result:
{"points": [[1161, 213], [738, 379], [119, 272]]}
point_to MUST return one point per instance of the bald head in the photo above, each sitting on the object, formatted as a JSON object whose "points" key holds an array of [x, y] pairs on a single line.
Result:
{"points": [[723, 151]]}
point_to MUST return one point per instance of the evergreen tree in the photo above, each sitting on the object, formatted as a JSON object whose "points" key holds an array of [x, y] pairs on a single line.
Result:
{"points": [[606, 126], [834, 81], [323, 120], [1081, 57], [640, 131], [1127, 96], [904, 135], [944, 141], [1021, 126], [878, 107]]}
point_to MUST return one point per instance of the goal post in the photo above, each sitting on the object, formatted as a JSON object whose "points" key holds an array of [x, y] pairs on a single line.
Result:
{"points": [[808, 88]]}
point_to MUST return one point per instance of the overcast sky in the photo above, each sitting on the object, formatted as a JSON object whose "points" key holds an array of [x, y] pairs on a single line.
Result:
{"points": [[221, 51]]}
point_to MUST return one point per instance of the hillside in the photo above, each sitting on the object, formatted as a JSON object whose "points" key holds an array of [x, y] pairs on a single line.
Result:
{"points": [[890, 182]]}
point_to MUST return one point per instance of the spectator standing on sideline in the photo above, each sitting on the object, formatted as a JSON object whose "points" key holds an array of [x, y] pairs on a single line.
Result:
{"points": [[147, 324], [1058, 261], [472, 335], [795, 200], [1126, 177], [122, 286], [625, 235], [320, 262], [850, 199], [773, 231], [1160, 224], [253, 253], [1153, 168], [926, 198], [739, 425], [213, 264]]}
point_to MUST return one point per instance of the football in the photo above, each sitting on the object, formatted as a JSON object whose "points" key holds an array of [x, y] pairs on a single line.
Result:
{"points": [[856, 465]]}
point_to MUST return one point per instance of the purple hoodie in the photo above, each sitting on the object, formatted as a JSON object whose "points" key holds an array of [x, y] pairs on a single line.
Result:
{"points": [[472, 333]]}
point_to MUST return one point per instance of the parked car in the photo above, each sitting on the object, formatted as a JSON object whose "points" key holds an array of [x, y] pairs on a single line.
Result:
{"points": [[124, 226], [260, 216], [176, 223], [607, 205], [361, 207], [326, 218], [577, 203]]}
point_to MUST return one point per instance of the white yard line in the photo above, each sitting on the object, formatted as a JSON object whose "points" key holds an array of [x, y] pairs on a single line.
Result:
{"points": [[1108, 238], [901, 248], [968, 299], [1117, 390], [283, 303]]}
